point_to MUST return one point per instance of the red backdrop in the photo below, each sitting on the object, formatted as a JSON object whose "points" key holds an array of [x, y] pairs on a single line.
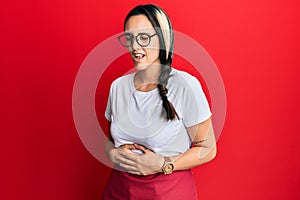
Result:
{"points": [[255, 45]]}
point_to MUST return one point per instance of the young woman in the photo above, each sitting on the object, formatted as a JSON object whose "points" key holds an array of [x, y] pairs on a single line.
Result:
{"points": [[159, 118]]}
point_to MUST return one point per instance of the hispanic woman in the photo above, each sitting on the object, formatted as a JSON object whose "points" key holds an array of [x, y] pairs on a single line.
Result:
{"points": [[159, 119]]}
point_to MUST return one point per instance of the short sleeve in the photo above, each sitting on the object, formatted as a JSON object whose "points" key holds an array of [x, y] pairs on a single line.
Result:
{"points": [[194, 104], [108, 110]]}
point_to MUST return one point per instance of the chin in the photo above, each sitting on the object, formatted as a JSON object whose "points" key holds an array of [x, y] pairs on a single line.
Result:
{"points": [[141, 67]]}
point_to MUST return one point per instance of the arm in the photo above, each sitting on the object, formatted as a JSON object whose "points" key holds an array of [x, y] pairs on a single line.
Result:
{"points": [[115, 154], [204, 149], [110, 149], [202, 134], [150, 163]]}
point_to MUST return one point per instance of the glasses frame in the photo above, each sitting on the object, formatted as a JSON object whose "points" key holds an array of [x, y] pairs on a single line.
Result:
{"points": [[136, 39]]}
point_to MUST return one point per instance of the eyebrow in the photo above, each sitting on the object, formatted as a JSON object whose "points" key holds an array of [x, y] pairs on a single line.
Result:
{"points": [[140, 33], [142, 30]]}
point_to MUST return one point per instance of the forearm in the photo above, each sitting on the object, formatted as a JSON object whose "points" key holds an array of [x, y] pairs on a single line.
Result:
{"points": [[109, 146], [194, 157], [204, 149], [111, 151]]}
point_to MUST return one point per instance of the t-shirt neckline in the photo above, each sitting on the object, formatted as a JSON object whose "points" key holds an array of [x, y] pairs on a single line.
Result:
{"points": [[138, 91]]}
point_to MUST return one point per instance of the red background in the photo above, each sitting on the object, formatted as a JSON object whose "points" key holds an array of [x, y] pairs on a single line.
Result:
{"points": [[255, 45]]}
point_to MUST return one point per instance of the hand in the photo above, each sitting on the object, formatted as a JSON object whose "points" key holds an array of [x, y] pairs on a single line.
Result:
{"points": [[140, 164], [113, 152], [127, 147]]}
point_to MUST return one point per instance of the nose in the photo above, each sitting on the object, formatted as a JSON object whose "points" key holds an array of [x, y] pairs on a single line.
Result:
{"points": [[135, 45]]}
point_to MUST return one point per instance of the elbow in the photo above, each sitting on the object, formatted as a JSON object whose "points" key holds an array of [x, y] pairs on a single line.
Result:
{"points": [[212, 154], [208, 155]]}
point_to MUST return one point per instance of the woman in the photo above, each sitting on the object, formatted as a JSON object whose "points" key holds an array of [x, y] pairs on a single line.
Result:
{"points": [[159, 118]]}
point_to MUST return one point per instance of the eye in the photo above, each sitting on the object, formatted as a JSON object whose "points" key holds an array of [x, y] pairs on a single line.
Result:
{"points": [[127, 38], [143, 37]]}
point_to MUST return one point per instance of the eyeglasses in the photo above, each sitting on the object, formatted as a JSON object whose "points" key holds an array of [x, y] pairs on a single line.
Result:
{"points": [[143, 39]]}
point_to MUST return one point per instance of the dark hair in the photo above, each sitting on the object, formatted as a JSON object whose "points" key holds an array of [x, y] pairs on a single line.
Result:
{"points": [[162, 25]]}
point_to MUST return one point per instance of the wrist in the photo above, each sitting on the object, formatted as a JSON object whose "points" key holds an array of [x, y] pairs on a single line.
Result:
{"points": [[161, 164], [168, 166], [111, 151]]}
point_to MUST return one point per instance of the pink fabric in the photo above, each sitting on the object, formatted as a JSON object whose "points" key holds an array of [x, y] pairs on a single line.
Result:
{"points": [[177, 186]]}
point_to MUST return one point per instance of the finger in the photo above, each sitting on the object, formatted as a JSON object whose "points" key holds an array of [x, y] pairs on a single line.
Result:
{"points": [[128, 168], [140, 147], [129, 156], [131, 147], [127, 147], [121, 151], [148, 151], [134, 172], [124, 161]]}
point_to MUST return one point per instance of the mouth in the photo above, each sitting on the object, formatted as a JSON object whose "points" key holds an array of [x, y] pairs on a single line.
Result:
{"points": [[138, 57]]}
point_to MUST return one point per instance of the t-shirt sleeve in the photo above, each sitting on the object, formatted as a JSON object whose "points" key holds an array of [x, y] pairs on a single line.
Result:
{"points": [[195, 105], [108, 111]]}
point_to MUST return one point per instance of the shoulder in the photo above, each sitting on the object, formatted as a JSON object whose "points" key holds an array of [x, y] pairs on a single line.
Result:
{"points": [[122, 81], [182, 79]]}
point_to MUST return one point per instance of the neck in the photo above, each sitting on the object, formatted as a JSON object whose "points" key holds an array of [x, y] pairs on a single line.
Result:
{"points": [[149, 75], [146, 80]]}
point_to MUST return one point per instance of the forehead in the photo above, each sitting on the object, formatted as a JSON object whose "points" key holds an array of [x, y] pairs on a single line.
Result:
{"points": [[138, 24]]}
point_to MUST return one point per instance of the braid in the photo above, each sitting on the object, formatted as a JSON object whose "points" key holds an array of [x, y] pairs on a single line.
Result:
{"points": [[163, 91]]}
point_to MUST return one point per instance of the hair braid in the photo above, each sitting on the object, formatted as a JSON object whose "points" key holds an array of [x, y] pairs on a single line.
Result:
{"points": [[163, 91]]}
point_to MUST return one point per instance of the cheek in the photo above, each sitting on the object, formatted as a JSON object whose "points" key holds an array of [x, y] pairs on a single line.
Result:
{"points": [[129, 49], [152, 54], [153, 50]]}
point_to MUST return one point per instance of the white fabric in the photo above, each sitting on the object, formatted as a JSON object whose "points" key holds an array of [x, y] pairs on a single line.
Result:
{"points": [[139, 117]]}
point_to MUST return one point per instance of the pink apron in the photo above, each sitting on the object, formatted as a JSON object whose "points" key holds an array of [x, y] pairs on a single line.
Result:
{"points": [[179, 185]]}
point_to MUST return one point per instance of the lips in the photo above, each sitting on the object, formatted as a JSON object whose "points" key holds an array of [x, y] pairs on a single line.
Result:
{"points": [[138, 57]]}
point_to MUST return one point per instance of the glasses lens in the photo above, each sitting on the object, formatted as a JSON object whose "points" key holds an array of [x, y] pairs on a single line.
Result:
{"points": [[143, 39], [125, 40]]}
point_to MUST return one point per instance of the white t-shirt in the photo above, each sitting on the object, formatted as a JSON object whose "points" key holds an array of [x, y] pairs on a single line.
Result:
{"points": [[139, 117]]}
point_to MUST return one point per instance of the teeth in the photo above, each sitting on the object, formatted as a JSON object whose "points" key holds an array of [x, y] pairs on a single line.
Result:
{"points": [[138, 55]]}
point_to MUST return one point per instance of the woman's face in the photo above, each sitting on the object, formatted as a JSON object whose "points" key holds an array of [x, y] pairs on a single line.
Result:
{"points": [[142, 57]]}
